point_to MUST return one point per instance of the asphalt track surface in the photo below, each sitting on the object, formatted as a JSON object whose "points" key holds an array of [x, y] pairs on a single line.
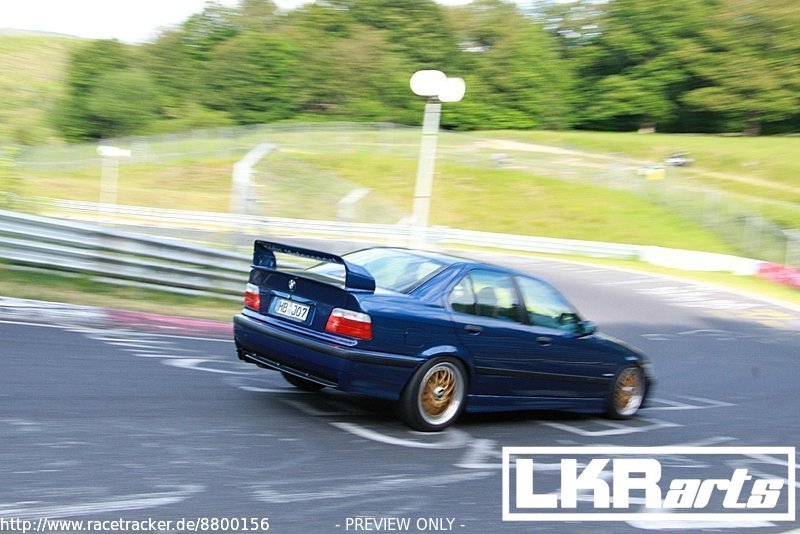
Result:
{"points": [[99, 423]]}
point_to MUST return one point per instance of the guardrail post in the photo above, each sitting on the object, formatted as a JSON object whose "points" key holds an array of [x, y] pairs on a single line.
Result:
{"points": [[241, 185], [346, 206], [792, 258], [753, 230], [425, 167], [8, 176], [711, 209]]}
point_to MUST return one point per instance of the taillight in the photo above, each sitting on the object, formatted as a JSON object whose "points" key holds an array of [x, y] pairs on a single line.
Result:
{"points": [[349, 323], [252, 299]]}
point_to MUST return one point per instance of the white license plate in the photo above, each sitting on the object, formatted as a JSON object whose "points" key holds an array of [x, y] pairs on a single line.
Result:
{"points": [[292, 310]]}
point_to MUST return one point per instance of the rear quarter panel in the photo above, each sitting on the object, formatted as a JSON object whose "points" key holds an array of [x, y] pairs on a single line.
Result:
{"points": [[407, 325]]}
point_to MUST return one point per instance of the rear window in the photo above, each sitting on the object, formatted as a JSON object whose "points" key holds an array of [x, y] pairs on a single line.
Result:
{"points": [[397, 270]]}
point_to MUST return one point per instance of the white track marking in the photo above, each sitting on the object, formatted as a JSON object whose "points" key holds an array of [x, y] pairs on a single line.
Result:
{"points": [[658, 337], [255, 389], [711, 402], [140, 354], [138, 341], [453, 437], [198, 338], [317, 412], [237, 382], [21, 425], [361, 487], [25, 323], [674, 405], [707, 442], [698, 525], [616, 429], [479, 451], [138, 501], [195, 364]]}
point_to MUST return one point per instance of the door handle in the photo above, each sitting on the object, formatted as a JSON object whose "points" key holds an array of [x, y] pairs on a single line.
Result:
{"points": [[545, 341], [473, 329]]}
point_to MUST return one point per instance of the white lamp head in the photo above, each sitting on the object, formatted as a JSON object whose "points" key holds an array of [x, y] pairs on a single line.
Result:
{"points": [[452, 90], [112, 152], [427, 82]]}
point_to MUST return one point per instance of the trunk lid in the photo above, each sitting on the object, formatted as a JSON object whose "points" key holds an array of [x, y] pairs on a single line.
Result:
{"points": [[303, 298]]}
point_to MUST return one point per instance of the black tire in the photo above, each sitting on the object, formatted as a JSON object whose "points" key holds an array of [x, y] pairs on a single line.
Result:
{"points": [[626, 393], [302, 383], [435, 395]]}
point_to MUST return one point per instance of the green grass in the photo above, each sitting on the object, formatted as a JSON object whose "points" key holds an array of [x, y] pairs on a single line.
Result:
{"points": [[32, 69], [191, 185], [512, 201], [536, 192], [760, 168], [85, 291], [769, 158]]}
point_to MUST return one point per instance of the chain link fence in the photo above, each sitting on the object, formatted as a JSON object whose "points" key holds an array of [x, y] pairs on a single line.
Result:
{"points": [[296, 180], [735, 218]]}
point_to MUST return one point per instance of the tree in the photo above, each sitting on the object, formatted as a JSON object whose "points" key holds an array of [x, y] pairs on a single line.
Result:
{"points": [[635, 69], [122, 102], [256, 15], [87, 66], [748, 64], [204, 31], [253, 77], [177, 61], [372, 85], [514, 77], [172, 67], [576, 22], [416, 28]]}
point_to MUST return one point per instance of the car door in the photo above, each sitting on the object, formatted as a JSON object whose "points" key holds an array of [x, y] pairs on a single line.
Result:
{"points": [[573, 364], [487, 314]]}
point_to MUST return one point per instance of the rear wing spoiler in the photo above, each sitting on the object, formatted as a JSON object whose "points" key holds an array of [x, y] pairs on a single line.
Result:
{"points": [[356, 277]]}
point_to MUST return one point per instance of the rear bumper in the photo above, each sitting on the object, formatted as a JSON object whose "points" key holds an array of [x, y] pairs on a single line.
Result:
{"points": [[351, 369]]}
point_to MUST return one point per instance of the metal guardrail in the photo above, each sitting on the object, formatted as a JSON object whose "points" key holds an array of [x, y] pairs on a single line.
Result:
{"points": [[384, 233], [127, 258], [123, 257]]}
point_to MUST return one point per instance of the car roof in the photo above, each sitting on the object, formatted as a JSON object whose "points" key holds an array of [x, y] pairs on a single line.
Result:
{"points": [[450, 259], [446, 259]]}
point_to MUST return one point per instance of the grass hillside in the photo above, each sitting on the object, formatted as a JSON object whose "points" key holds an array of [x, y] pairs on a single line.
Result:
{"points": [[32, 69], [471, 191], [766, 158], [761, 173], [575, 184]]}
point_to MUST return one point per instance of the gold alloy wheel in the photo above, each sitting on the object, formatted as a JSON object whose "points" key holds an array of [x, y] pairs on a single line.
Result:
{"points": [[629, 391], [440, 393]]}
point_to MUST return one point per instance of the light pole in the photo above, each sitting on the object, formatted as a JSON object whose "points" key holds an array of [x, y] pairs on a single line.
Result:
{"points": [[240, 184], [438, 88], [109, 172], [792, 258]]}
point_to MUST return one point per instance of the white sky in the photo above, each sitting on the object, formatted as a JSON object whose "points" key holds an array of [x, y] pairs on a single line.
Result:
{"points": [[127, 20]]}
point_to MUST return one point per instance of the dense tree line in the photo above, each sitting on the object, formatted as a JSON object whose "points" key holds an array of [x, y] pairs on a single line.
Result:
{"points": [[673, 65]]}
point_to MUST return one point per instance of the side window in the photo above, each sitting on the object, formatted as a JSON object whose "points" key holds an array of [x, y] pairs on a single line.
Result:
{"points": [[495, 295], [546, 307], [462, 298]]}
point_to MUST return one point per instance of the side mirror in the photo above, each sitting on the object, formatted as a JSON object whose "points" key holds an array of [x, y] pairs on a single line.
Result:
{"points": [[586, 328]]}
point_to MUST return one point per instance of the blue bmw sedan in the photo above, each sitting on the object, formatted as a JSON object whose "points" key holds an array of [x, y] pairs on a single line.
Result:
{"points": [[435, 333]]}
